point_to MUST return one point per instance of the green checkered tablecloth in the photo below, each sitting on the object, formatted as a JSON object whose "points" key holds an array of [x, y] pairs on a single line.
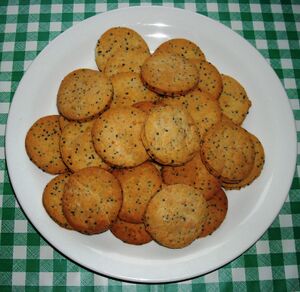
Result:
{"points": [[28, 262]]}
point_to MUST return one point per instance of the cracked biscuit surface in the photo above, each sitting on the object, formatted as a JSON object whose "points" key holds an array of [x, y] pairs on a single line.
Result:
{"points": [[170, 135], [175, 214], [84, 94], [228, 152], [92, 199], [114, 39], [169, 74], [183, 47], [116, 136]]}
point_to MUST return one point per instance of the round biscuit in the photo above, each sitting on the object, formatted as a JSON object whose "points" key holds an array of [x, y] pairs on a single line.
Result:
{"points": [[192, 173], [175, 214], [76, 147], [210, 79], [42, 145], [184, 48], [170, 135], [92, 199], [126, 61], [132, 233], [228, 152], [233, 100], [205, 110], [116, 136], [169, 74], [129, 89], [52, 199], [84, 94], [256, 169], [114, 39], [217, 208], [139, 185]]}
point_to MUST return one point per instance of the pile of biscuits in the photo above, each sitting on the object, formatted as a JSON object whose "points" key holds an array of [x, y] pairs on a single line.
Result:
{"points": [[145, 145]]}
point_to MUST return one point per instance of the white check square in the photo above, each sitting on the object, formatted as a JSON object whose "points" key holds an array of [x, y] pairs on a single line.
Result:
{"points": [[45, 278], [18, 278], [238, 275]]}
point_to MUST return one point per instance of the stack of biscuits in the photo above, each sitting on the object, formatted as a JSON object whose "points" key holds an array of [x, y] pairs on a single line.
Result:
{"points": [[145, 145]]}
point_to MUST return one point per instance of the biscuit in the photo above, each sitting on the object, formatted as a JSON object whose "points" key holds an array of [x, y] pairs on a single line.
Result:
{"points": [[233, 100], [169, 74], [131, 233], [210, 80], [205, 110], [192, 173], [170, 135], [84, 94], [62, 122], [52, 199], [256, 169], [126, 61], [145, 106], [174, 216], [129, 89], [139, 185], [114, 39], [184, 48], [116, 136], [42, 145], [92, 199], [228, 152], [77, 149], [217, 208]]}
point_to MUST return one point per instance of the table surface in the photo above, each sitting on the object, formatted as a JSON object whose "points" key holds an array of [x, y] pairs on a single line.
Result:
{"points": [[27, 261]]}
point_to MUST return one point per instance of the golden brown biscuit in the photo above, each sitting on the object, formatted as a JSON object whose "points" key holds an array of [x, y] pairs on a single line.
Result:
{"points": [[114, 39], [129, 89], [126, 61], [52, 199], [77, 149], [192, 173], [84, 94], [217, 208], [228, 152], [92, 199], [131, 233], [42, 145], [139, 185], [257, 166], [233, 100], [184, 48], [169, 74], [175, 215], [205, 110], [170, 135], [210, 79], [116, 136]]}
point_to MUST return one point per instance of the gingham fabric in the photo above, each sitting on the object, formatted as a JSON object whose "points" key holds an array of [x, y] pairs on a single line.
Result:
{"points": [[27, 261]]}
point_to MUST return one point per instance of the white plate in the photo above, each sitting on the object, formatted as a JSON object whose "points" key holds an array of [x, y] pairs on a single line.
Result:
{"points": [[251, 210]]}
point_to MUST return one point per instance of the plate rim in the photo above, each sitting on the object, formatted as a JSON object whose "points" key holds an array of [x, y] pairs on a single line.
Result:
{"points": [[9, 155]]}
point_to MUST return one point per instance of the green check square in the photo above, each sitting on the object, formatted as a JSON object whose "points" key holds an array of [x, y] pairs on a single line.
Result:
{"points": [[32, 265]]}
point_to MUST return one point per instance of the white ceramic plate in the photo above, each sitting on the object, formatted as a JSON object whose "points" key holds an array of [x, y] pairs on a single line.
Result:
{"points": [[251, 210]]}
